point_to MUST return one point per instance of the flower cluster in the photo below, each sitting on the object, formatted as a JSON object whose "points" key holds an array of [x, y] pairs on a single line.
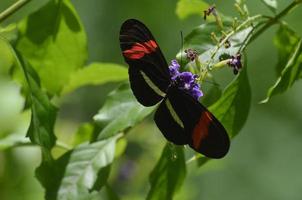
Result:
{"points": [[209, 11], [235, 63], [185, 80], [191, 54]]}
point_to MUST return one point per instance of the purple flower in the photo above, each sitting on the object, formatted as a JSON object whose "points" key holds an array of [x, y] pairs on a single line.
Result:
{"points": [[185, 80], [173, 69], [196, 92], [186, 77], [235, 63]]}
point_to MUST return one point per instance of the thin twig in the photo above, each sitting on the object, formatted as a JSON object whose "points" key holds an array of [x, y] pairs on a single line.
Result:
{"points": [[271, 21], [12, 9], [230, 34], [275, 19]]}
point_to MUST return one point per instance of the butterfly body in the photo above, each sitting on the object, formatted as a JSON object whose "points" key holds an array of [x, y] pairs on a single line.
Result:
{"points": [[180, 116]]}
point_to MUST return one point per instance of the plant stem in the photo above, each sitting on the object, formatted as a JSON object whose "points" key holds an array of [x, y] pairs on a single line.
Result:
{"points": [[268, 24], [249, 20], [275, 19], [249, 37], [12, 9], [226, 38]]}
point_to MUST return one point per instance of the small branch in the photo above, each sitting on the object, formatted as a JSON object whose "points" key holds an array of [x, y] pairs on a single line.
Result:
{"points": [[246, 22], [226, 38], [271, 21], [276, 19], [12, 9], [249, 37]]}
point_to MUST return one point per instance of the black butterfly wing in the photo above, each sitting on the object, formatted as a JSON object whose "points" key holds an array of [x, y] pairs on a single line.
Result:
{"points": [[148, 69], [183, 120], [170, 124]]}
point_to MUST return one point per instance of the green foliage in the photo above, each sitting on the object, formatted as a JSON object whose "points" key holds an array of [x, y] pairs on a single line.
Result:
{"points": [[7, 59], [83, 134], [95, 74], [110, 194], [15, 137], [213, 94], [82, 169], [168, 174], [290, 73], [53, 40], [233, 106], [285, 41], [46, 54], [120, 112], [185, 8], [9, 32], [271, 4], [50, 174], [43, 113], [200, 39]]}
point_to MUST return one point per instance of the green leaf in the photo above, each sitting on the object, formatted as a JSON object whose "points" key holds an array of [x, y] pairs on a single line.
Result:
{"points": [[285, 41], [120, 111], [200, 40], [121, 146], [41, 129], [7, 59], [212, 95], [82, 170], [202, 160], [169, 173], [53, 40], [102, 177], [50, 174], [43, 113], [9, 32], [271, 4], [185, 8], [107, 193], [83, 134], [233, 106], [96, 74], [236, 41], [12, 140], [289, 74], [11, 106]]}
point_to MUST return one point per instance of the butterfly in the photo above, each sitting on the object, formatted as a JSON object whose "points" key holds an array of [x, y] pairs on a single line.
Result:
{"points": [[182, 119]]}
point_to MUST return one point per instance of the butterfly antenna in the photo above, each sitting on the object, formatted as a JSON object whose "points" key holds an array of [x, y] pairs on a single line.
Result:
{"points": [[182, 47]]}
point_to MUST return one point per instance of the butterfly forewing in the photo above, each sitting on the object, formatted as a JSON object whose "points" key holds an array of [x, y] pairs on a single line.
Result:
{"points": [[204, 133], [148, 69]]}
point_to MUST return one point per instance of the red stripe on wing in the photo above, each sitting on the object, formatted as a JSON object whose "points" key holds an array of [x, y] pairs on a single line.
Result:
{"points": [[201, 129], [138, 50]]}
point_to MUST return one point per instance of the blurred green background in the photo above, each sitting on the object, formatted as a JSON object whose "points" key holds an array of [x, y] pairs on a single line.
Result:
{"points": [[265, 159]]}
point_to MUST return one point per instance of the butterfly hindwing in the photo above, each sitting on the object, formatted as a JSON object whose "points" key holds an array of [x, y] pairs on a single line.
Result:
{"points": [[148, 69], [209, 137], [205, 133]]}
